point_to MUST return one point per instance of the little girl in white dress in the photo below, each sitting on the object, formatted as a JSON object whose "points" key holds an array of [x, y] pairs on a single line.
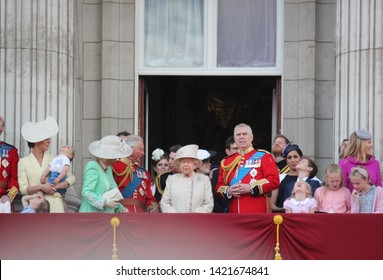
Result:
{"points": [[301, 200]]}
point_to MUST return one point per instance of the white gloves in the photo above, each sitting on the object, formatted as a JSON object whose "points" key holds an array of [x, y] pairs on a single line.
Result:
{"points": [[110, 203]]}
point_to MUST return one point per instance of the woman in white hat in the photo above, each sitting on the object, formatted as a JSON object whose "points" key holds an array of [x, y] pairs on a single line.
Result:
{"points": [[32, 166], [100, 192], [188, 191]]}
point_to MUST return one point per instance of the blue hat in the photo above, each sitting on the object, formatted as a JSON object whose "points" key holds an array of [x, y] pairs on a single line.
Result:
{"points": [[289, 148]]}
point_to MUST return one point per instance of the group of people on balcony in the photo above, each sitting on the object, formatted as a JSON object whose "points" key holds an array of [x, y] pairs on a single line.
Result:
{"points": [[247, 180]]}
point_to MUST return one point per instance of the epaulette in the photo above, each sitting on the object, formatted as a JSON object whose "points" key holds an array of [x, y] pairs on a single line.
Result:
{"points": [[263, 151], [117, 166], [125, 160], [6, 146], [233, 155], [141, 168]]}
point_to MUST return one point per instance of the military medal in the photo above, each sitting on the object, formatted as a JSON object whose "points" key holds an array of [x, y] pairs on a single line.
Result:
{"points": [[5, 163], [253, 172], [257, 163], [142, 190], [253, 181], [5, 153], [5, 174]]}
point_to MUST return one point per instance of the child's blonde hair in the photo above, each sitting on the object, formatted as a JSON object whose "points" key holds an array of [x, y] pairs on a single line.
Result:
{"points": [[330, 169], [361, 172], [309, 192]]}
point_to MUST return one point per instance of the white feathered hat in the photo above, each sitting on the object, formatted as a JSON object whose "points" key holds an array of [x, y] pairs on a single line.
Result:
{"points": [[110, 147]]}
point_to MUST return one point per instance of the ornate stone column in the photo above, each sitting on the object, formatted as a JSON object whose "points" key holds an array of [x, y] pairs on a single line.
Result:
{"points": [[36, 67], [359, 74]]}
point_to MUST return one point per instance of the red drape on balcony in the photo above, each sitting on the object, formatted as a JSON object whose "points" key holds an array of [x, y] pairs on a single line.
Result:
{"points": [[191, 236]]}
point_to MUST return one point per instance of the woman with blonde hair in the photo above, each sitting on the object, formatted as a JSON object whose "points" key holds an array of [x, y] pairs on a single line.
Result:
{"points": [[359, 152]]}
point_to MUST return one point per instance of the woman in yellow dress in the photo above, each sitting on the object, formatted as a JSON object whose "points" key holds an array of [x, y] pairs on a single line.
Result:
{"points": [[32, 166]]}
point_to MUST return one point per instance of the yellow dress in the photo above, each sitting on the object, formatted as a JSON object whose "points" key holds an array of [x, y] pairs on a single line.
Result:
{"points": [[29, 174]]}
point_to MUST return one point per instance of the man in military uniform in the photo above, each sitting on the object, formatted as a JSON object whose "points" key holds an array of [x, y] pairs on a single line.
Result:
{"points": [[9, 159], [246, 178], [133, 180]]}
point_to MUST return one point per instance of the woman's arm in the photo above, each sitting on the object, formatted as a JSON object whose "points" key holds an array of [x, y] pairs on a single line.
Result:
{"points": [[208, 201], [25, 188], [166, 200], [90, 187]]}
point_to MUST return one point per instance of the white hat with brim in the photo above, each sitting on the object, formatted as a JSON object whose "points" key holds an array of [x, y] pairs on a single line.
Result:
{"points": [[205, 154], [188, 151], [110, 147], [35, 132]]}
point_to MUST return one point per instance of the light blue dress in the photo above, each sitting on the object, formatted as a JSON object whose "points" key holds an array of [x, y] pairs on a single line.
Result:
{"points": [[95, 183]]}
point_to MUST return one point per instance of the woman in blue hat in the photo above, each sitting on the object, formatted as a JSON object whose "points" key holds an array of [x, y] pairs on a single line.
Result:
{"points": [[293, 154]]}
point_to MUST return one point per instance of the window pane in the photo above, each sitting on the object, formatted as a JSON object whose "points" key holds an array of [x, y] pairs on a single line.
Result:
{"points": [[174, 33], [246, 33]]}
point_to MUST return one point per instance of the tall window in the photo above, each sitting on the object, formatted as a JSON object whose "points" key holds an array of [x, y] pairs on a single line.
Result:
{"points": [[214, 34], [246, 33], [174, 33]]}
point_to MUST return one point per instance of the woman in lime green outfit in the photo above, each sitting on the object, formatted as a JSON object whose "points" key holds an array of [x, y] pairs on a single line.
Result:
{"points": [[98, 180]]}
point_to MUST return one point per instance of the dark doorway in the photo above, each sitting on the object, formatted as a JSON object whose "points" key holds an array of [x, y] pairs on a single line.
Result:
{"points": [[204, 110]]}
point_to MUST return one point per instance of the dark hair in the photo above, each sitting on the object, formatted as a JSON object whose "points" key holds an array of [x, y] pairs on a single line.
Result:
{"points": [[31, 145], [281, 136], [123, 133], [154, 163], [229, 141], [313, 165], [174, 148]]}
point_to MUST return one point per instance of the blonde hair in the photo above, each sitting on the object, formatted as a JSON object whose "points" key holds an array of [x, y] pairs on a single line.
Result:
{"points": [[361, 172], [355, 148], [309, 192], [330, 169]]}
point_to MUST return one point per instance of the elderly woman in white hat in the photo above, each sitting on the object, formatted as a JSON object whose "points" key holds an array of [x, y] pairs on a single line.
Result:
{"points": [[188, 191], [100, 192], [32, 166]]}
